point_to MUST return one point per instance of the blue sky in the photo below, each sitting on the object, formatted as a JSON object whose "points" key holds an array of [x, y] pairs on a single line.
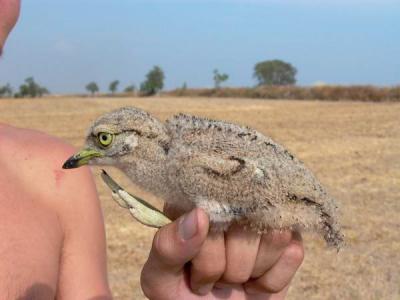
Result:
{"points": [[66, 44]]}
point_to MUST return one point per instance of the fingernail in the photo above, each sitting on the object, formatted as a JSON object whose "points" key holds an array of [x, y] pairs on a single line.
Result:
{"points": [[188, 225], [205, 289]]}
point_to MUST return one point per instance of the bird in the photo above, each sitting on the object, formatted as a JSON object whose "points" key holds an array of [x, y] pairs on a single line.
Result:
{"points": [[236, 174]]}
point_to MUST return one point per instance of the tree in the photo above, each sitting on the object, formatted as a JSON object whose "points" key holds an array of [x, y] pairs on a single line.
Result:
{"points": [[6, 91], [275, 72], [154, 82], [92, 87], [130, 89], [113, 86], [31, 89], [219, 78]]}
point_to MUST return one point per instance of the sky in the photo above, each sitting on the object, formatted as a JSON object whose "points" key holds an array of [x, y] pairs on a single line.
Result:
{"points": [[66, 44]]}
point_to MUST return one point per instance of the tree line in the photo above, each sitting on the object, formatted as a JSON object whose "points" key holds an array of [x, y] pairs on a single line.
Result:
{"points": [[270, 72], [30, 88]]}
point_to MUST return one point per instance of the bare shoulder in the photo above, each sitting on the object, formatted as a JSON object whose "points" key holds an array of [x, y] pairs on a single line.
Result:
{"points": [[22, 146], [35, 159], [53, 212]]}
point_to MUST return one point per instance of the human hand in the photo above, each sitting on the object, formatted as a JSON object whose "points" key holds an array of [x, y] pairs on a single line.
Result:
{"points": [[185, 263]]}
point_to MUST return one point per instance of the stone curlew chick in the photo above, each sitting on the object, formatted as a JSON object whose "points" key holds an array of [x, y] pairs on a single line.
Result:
{"points": [[234, 173]]}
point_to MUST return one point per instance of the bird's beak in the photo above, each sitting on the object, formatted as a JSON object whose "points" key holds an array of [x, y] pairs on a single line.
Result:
{"points": [[81, 158]]}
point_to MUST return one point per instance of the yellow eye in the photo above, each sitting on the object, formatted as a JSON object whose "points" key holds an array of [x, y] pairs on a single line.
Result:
{"points": [[105, 138]]}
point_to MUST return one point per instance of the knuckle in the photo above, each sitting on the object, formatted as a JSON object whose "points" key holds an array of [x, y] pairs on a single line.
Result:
{"points": [[145, 283], [236, 277], [294, 254], [163, 247], [272, 287], [207, 270], [153, 284], [268, 285], [147, 291]]}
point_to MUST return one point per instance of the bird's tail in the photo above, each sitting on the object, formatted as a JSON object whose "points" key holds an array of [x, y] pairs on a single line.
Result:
{"points": [[328, 224], [332, 234]]}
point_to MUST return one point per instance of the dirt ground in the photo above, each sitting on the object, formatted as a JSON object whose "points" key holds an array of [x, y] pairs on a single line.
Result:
{"points": [[352, 147]]}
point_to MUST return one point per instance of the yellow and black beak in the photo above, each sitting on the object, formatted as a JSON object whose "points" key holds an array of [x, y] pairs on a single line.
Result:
{"points": [[81, 158]]}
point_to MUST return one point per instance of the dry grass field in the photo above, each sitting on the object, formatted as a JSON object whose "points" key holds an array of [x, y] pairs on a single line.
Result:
{"points": [[353, 147]]}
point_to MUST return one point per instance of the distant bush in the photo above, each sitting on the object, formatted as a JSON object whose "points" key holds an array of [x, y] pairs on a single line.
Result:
{"points": [[130, 89], [31, 89], [219, 78], [92, 88], [6, 91], [327, 92], [154, 82], [275, 72], [113, 86]]}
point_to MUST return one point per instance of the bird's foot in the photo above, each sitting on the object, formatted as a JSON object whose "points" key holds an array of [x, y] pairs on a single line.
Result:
{"points": [[142, 211]]}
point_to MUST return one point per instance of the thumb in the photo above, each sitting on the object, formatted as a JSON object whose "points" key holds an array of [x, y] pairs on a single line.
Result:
{"points": [[173, 246]]}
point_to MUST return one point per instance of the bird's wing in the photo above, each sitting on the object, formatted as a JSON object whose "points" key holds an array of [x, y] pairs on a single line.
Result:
{"points": [[222, 179], [226, 157], [217, 166], [214, 153]]}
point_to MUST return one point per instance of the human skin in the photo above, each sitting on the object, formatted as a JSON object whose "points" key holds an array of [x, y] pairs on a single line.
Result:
{"points": [[9, 11], [52, 232], [53, 243], [187, 263]]}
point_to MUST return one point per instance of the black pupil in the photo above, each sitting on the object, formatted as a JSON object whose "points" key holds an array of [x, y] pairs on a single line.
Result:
{"points": [[104, 137]]}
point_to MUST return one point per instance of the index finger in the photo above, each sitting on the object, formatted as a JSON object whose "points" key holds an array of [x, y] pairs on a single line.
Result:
{"points": [[174, 245]]}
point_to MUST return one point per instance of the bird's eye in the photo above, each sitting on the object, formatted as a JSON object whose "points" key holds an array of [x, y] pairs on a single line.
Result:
{"points": [[105, 138]]}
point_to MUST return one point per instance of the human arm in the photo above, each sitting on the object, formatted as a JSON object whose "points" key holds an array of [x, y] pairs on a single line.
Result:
{"points": [[50, 220], [83, 263]]}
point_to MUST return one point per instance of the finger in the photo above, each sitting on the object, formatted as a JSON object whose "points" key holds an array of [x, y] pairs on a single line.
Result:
{"points": [[209, 264], [241, 247], [236, 292], [173, 246], [233, 291], [281, 273], [271, 248], [267, 296]]}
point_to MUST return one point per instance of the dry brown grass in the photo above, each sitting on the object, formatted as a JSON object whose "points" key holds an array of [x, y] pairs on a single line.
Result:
{"points": [[353, 148], [325, 92]]}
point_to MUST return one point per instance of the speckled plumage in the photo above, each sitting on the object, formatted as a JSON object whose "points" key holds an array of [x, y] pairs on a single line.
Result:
{"points": [[234, 173]]}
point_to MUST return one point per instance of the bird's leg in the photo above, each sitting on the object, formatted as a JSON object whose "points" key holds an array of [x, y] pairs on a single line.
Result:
{"points": [[139, 209]]}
